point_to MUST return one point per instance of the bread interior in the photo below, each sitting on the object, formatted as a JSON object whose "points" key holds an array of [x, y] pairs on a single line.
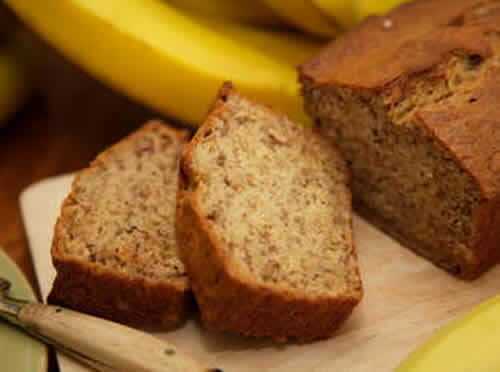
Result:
{"points": [[277, 198], [121, 212]]}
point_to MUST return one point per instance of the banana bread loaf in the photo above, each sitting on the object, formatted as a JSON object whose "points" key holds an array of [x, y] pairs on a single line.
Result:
{"points": [[413, 101], [264, 225], [114, 244]]}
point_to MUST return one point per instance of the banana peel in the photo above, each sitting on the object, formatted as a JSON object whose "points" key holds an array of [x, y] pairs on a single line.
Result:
{"points": [[13, 84], [251, 12], [327, 18], [365, 8], [286, 47], [348, 13], [152, 52], [304, 15], [466, 345]]}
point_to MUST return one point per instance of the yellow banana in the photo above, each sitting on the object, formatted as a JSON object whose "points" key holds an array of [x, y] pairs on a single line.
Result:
{"points": [[365, 8], [13, 84], [347, 13], [467, 345], [253, 12], [287, 47], [157, 55], [304, 15]]}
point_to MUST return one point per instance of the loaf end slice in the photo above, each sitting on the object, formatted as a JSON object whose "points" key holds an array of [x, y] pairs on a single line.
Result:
{"points": [[114, 246], [412, 102], [264, 221]]}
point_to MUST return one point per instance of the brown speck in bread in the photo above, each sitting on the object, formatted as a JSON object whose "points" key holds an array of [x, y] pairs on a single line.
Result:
{"points": [[255, 269], [414, 109], [170, 352], [221, 159], [112, 258]]}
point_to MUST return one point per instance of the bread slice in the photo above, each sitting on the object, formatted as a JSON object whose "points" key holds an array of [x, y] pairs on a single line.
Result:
{"points": [[264, 225], [114, 244], [412, 102]]}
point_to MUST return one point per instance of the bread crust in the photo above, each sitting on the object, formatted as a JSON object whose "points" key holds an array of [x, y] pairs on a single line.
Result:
{"points": [[406, 43], [100, 291], [229, 300]]}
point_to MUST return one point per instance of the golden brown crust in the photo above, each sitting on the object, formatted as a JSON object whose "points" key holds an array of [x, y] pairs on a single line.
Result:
{"points": [[93, 289], [230, 302], [103, 293], [182, 136], [385, 51], [471, 132], [373, 56], [406, 41], [472, 136]]}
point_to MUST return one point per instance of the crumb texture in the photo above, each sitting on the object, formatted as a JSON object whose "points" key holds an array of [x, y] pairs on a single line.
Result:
{"points": [[120, 214], [276, 195]]}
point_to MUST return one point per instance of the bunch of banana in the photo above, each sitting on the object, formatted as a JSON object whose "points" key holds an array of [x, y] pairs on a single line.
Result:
{"points": [[323, 18], [168, 60], [172, 55], [248, 12]]}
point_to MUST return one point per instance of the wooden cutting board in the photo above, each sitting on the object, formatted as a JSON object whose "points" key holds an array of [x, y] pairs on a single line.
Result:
{"points": [[406, 299]]}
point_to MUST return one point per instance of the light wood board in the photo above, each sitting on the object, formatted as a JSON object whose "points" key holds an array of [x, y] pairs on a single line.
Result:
{"points": [[406, 299]]}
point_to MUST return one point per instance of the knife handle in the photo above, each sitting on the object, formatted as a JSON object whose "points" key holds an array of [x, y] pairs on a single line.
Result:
{"points": [[101, 344]]}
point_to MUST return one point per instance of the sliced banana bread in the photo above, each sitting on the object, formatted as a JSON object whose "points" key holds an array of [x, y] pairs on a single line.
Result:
{"points": [[412, 100], [264, 225], [114, 246]]}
